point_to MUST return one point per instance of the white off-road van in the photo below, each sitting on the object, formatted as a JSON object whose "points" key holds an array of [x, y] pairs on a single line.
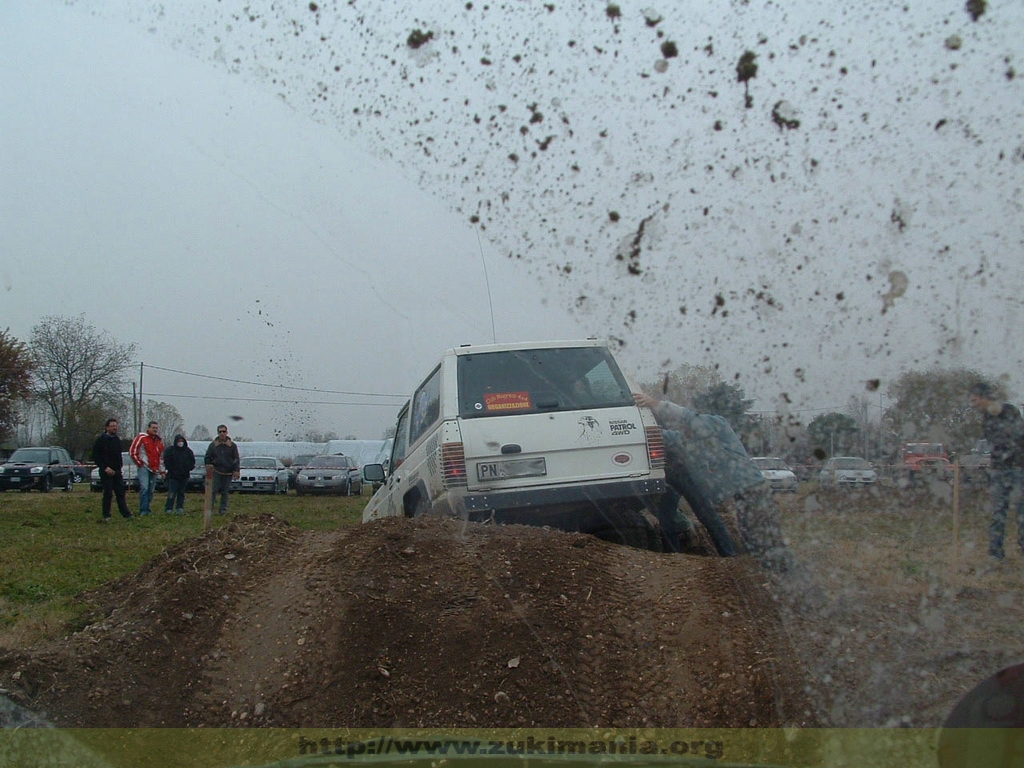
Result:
{"points": [[543, 433]]}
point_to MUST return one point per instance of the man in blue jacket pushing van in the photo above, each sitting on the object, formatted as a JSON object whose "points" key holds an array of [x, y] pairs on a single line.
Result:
{"points": [[706, 464]]}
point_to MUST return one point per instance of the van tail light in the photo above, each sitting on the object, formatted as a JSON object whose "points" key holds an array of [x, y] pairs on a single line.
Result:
{"points": [[655, 447], [453, 461]]}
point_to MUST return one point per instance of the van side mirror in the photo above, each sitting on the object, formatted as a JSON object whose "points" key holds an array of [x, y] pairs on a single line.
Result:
{"points": [[373, 473]]}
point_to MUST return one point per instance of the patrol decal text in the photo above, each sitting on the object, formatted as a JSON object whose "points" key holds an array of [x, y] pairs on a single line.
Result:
{"points": [[621, 427]]}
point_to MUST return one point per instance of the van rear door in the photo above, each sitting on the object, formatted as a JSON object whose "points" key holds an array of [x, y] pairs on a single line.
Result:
{"points": [[556, 415]]}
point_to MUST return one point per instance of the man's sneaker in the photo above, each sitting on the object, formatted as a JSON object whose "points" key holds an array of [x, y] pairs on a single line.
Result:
{"points": [[103, 520]]}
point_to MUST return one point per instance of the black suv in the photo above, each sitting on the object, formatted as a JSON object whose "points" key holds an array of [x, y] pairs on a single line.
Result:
{"points": [[43, 468]]}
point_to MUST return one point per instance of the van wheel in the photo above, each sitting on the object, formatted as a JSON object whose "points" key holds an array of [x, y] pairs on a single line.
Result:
{"points": [[47, 484], [417, 508]]}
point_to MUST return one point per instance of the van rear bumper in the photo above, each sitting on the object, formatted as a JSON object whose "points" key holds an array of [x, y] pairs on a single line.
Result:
{"points": [[478, 505]]}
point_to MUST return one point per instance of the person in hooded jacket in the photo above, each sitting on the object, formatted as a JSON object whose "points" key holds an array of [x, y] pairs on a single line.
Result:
{"points": [[179, 461]]}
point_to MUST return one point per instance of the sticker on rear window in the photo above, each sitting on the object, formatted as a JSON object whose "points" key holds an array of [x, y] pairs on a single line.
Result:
{"points": [[507, 401]]}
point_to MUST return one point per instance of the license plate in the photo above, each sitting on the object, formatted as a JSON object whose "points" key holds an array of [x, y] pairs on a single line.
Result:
{"points": [[15, 479], [246, 485], [502, 470], [318, 484]]}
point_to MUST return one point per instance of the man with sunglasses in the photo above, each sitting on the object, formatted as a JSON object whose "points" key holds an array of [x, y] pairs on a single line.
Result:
{"points": [[222, 455]]}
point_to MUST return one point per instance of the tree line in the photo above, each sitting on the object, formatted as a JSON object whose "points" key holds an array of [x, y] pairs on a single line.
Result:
{"points": [[71, 373], [929, 405], [71, 377]]}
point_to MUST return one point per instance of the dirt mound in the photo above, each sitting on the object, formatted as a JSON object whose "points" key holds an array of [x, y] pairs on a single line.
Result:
{"points": [[419, 623]]}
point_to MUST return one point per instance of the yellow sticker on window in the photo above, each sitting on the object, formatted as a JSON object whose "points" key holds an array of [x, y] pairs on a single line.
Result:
{"points": [[507, 401]]}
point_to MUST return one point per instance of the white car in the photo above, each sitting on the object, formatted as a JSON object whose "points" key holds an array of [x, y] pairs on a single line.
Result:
{"points": [[778, 474], [847, 471], [543, 433], [261, 474]]}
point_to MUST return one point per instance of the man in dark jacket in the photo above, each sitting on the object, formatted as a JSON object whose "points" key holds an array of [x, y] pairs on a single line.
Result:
{"points": [[179, 461], [1003, 427], [106, 453], [222, 455]]}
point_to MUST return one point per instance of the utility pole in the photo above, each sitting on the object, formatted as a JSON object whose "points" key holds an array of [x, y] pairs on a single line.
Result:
{"points": [[141, 416]]}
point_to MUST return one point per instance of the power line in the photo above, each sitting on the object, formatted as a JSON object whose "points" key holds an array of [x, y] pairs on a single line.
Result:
{"points": [[274, 386], [266, 400]]}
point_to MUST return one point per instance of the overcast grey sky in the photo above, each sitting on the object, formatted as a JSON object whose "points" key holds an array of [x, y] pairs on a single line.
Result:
{"points": [[287, 194], [184, 210]]}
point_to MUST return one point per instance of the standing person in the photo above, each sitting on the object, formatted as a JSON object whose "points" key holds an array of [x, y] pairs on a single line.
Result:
{"points": [[146, 450], [706, 463], [1003, 427], [106, 454], [179, 461], [222, 455]]}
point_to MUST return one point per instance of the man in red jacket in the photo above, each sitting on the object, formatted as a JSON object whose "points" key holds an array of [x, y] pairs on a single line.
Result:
{"points": [[146, 450]]}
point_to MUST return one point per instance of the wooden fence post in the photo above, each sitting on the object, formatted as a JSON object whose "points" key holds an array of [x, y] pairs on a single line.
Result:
{"points": [[208, 501]]}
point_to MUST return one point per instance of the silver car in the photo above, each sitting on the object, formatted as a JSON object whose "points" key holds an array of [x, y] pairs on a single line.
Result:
{"points": [[847, 471], [330, 474], [261, 474], [779, 475]]}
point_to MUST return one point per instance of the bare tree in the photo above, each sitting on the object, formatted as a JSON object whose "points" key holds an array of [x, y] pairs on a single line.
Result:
{"points": [[200, 432], [167, 416], [78, 370]]}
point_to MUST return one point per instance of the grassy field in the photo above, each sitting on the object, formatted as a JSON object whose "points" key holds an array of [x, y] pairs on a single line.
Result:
{"points": [[52, 547], [897, 540]]}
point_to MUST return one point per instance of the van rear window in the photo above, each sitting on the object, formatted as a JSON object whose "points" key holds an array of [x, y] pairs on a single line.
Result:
{"points": [[539, 380]]}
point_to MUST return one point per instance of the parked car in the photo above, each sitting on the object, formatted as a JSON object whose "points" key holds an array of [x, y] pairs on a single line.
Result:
{"points": [[261, 474], [81, 470], [197, 478], [779, 475], [129, 472], [542, 433], [44, 468], [298, 463], [846, 471], [330, 474], [924, 460]]}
